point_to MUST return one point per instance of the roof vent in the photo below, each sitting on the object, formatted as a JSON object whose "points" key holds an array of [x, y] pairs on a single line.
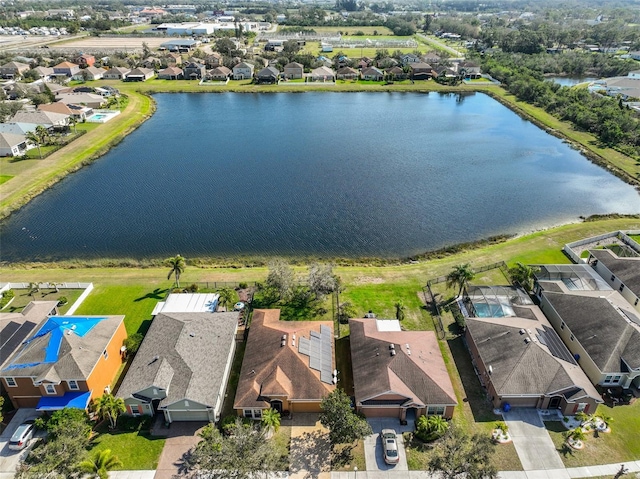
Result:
{"points": [[393, 352], [283, 343], [392, 346], [527, 340], [192, 335], [522, 331], [284, 337], [490, 369]]}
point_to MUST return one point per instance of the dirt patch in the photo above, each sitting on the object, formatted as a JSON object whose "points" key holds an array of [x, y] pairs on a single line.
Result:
{"points": [[368, 280]]}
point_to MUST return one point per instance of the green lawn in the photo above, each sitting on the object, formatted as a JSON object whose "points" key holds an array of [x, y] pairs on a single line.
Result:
{"points": [[346, 30], [5, 178], [135, 450], [135, 302], [636, 238], [232, 385], [22, 298]]}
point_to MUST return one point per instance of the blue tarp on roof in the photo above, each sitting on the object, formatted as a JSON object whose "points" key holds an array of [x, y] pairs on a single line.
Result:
{"points": [[71, 399]]}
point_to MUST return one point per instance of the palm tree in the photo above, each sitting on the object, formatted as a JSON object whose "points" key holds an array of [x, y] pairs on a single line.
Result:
{"points": [[99, 465], [109, 407], [43, 134], [399, 311], [35, 139], [522, 274], [227, 297], [73, 121], [177, 265], [437, 426], [33, 288], [460, 276], [575, 435], [271, 421]]}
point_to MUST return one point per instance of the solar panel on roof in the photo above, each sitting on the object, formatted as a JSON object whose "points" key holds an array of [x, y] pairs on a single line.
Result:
{"points": [[557, 348], [315, 334], [326, 377], [314, 363]]}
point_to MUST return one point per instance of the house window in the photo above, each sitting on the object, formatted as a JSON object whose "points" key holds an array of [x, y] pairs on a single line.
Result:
{"points": [[105, 354], [616, 379], [73, 385], [11, 382], [562, 325], [572, 337], [581, 407], [186, 403], [621, 288], [435, 411], [50, 388], [613, 277], [248, 413], [636, 303], [257, 414], [608, 379]]}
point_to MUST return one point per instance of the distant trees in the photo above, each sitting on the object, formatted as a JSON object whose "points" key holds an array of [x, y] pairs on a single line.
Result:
{"points": [[177, 264], [344, 425]]}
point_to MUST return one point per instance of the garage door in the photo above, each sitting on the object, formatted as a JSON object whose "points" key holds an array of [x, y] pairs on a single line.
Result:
{"points": [[193, 415]]}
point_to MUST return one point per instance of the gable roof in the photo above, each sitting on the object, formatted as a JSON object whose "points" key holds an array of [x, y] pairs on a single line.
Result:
{"points": [[270, 369], [66, 65], [626, 269], [57, 107], [171, 71], [63, 348], [16, 66], [418, 372], [17, 128], [371, 71], [184, 353], [347, 71], [244, 65], [118, 70], [39, 117], [268, 72], [420, 66], [15, 327], [322, 71], [9, 140], [295, 65], [600, 328]]}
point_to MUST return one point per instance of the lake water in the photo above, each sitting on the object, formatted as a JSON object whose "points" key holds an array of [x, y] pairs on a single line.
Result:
{"points": [[568, 81], [323, 174]]}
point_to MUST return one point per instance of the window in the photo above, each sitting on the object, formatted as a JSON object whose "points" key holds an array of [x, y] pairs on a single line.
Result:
{"points": [[616, 379], [621, 288], [50, 388], [257, 414], [73, 385], [105, 354], [247, 413], [581, 407], [186, 403], [636, 303], [608, 379], [613, 277], [562, 325], [435, 411], [572, 337], [11, 382]]}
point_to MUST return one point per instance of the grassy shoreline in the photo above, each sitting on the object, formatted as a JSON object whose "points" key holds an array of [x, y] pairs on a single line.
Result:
{"points": [[141, 106]]}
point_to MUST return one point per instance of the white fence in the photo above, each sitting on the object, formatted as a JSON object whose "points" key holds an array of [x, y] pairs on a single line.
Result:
{"points": [[88, 287], [622, 236]]}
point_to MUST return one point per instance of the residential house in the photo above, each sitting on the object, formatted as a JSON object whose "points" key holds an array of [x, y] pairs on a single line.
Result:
{"points": [[408, 58], [395, 73], [518, 356], [139, 74], [194, 71], [288, 366], [116, 73], [443, 72], [431, 58], [293, 71], [44, 72], [66, 69], [322, 74], [596, 323], [17, 128], [372, 74], [364, 62], [16, 327], [173, 58], [243, 71], [152, 62], [87, 99], [622, 273], [90, 74], [398, 373], [213, 61], [56, 88], [78, 112], [219, 74], [68, 361], [347, 73], [387, 62], [182, 367], [12, 144], [47, 119], [268, 75], [469, 70], [85, 60], [13, 69], [420, 71], [171, 73]]}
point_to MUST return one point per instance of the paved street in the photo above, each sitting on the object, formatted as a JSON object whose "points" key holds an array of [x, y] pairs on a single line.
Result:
{"points": [[531, 439]]}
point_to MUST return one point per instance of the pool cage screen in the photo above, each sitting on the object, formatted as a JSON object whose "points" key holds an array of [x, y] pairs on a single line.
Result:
{"points": [[576, 277], [494, 301]]}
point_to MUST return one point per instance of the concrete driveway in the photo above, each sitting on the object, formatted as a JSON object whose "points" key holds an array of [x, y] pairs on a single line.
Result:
{"points": [[531, 439], [9, 459], [181, 437], [310, 450], [373, 452]]}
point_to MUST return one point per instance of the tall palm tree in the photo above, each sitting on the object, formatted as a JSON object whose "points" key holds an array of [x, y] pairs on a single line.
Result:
{"points": [[177, 265], [33, 137], [271, 421], [43, 134], [227, 297], [100, 464], [109, 407], [460, 276], [73, 121], [522, 274]]}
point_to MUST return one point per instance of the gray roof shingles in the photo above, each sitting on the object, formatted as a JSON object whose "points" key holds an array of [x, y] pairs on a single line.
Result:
{"points": [[626, 269]]}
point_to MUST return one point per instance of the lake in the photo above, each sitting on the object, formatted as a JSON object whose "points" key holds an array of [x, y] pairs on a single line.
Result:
{"points": [[319, 174], [570, 81]]}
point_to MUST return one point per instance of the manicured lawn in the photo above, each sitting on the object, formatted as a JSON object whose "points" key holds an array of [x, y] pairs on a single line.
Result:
{"points": [[345, 457], [636, 238], [135, 302], [5, 178], [232, 385], [346, 30], [135, 450], [282, 440], [22, 298]]}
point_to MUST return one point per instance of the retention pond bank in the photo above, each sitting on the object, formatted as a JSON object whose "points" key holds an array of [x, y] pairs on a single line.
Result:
{"points": [[357, 174]]}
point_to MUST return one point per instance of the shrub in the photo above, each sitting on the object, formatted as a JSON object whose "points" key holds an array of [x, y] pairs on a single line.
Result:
{"points": [[458, 317], [132, 343], [193, 288], [430, 428], [62, 300], [6, 297], [502, 426], [243, 285], [229, 422]]}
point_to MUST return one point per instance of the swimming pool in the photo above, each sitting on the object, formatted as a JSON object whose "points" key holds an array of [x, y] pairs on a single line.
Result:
{"points": [[102, 116]]}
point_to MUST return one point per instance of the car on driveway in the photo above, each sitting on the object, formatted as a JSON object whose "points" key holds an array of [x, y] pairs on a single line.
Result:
{"points": [[22, 436], [390, 446]]}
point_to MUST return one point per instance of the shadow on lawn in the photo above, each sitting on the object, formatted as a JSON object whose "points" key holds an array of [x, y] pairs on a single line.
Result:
{"points": [[157, 293]]}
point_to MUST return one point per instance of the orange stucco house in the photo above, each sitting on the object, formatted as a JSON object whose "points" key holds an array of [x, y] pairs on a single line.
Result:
{"points": [[67, 362]]}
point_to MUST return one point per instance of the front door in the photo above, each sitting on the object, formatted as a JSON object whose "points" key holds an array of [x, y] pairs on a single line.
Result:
{"points": [[277, 405], [554, 403]]}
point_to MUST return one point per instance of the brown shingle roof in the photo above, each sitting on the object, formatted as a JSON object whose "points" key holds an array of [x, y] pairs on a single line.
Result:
{"points": [[269, 369]]}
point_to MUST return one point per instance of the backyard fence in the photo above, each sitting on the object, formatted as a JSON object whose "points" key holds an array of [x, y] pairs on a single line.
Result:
{"points": [[573, 252]]}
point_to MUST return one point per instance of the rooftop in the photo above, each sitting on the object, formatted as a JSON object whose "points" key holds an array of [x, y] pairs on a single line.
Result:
{"points": [[626, 269]]}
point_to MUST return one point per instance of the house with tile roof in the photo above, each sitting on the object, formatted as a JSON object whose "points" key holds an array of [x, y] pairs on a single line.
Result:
{"points": [[596, 323], [398, 373], [67, 69], [288, 365], [171, 73], [66, 362], [519, 358], [622, 273], [182, 367]]}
